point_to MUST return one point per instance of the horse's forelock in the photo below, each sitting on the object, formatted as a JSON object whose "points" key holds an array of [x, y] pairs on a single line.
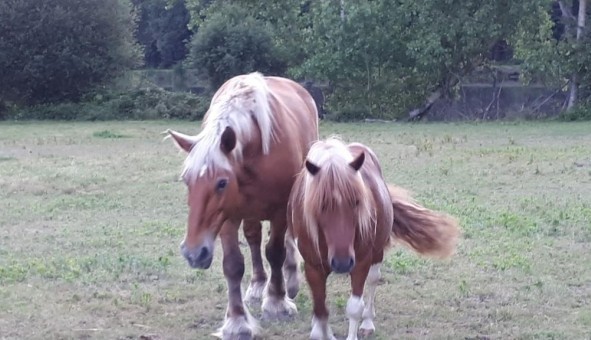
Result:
{"points": [[243, 105], [334, 184]]}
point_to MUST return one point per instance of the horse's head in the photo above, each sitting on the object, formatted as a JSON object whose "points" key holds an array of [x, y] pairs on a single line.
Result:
{"points": [[213, 194], [337, 205]]}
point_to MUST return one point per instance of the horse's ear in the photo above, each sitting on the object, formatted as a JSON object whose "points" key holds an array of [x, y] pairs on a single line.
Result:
{"points": [[312, 168], [358, 162], [182, 141], [228, 140]]}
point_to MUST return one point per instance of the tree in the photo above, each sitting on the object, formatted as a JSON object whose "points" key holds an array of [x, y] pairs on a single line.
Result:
{"points": [[58, 50], [555, 50], [163, 31], [232, 42]]}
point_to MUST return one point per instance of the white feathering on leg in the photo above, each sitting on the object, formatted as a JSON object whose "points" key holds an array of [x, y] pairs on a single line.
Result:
{"points": [[354, 312]]}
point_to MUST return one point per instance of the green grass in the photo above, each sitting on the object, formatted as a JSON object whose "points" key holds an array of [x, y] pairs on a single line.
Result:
{"points": [[90, 225]]}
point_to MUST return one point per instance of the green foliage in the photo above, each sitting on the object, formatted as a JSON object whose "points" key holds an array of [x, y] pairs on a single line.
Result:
{"points": [[149, 103], [163, 31], [232, 42], [58, 50], [579, 113], [363, 56]]}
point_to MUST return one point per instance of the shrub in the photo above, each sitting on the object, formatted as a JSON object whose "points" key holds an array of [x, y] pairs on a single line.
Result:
{"points": [[58, 50], [146, 103]]}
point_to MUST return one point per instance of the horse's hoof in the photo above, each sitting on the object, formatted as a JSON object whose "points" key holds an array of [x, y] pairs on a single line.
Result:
{"points": [[254, 293], [238, 328], [293, 290], [278, 309]]}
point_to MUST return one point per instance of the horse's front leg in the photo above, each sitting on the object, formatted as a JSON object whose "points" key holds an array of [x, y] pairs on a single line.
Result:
{"points": [[276, 304], [355, 305], [253, 234], [239, 324], [316, 279]]}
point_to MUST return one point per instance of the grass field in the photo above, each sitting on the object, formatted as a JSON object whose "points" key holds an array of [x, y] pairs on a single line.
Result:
{"points": [[92, 214]]}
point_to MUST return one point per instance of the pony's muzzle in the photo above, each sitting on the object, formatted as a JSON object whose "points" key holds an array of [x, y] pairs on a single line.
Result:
{"points": [[342, 265], [198, 257]]}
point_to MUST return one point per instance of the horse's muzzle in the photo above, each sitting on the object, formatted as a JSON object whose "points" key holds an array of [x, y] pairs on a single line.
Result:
{"points": [[199, 257], [342, 265]]}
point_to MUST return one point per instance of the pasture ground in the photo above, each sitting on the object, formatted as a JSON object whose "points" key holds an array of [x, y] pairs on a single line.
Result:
{"points": [[91, 216]]}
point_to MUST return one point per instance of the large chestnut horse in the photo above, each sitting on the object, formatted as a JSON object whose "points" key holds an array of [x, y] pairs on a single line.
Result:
{"points": [[344, 216], [241, 167]]}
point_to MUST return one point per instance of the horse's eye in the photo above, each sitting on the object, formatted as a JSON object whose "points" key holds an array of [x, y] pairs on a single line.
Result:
{"points": [[221, 185], [356, 203]]}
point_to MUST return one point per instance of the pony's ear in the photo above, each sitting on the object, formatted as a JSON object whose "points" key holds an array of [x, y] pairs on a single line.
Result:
{"points": [[312, 168], [182, 141], [228, 140], [358, 162]]}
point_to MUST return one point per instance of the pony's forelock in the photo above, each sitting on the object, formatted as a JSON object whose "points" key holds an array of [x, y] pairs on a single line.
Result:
{"points": [[335, 183], [242, 105]]}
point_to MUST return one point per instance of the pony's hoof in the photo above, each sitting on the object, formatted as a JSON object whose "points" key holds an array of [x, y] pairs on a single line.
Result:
{"points": [[254, 293], [367, 329], [278, 309], [366, 333]]}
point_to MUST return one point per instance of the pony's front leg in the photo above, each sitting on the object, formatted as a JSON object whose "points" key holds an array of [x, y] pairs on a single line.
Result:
{"points": [[291, 267], [367, 327], [276, 304], [355, 305], [317, 282], [239, 324], [253, 234]]}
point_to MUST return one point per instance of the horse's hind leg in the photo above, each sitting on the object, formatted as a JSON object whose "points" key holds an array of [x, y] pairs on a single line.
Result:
{"points": [[276, 304], [291, 267], [367, 327], [253, 234], [239, 324]]}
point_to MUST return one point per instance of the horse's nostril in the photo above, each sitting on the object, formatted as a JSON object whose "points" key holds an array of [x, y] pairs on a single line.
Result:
{"points": [[203, 254]]}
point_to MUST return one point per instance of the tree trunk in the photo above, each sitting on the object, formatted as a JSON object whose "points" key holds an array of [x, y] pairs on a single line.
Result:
{"points": [[572, 95]]}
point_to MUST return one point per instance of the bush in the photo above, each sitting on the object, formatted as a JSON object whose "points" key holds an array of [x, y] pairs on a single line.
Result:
{"points": [[231, 42], [579, 113], [58, 50], [138, 104]]}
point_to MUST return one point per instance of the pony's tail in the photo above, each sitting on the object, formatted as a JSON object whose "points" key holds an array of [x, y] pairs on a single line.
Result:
{"points": [[428, 232]]}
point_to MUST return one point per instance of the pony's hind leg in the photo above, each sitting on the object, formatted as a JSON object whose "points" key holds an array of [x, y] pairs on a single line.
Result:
{"points": [[253, 234], [291, 267], [367, 327], [276, 304], [239, 324]]}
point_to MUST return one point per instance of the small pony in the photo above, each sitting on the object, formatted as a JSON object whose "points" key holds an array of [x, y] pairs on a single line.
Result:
{"points": [[241, 167], [343, 217]]}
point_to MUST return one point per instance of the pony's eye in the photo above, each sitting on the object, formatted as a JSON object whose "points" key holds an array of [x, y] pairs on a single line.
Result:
{"points": [[221, 185], [356, 203]]}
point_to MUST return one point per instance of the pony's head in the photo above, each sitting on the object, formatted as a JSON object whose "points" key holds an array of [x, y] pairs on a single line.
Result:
{"points": [[336, 203], [239, 113]]}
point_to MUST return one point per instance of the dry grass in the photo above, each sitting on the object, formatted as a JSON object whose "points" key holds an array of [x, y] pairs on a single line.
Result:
{"points": [[92, 215]]}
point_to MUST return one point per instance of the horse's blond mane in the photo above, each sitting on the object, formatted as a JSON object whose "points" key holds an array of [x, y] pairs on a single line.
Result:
{"points": [[336, 183], [241, 104]]}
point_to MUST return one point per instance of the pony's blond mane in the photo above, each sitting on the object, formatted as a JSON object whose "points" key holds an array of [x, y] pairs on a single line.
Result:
{"points": [[336, 183], [241, 104]]}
